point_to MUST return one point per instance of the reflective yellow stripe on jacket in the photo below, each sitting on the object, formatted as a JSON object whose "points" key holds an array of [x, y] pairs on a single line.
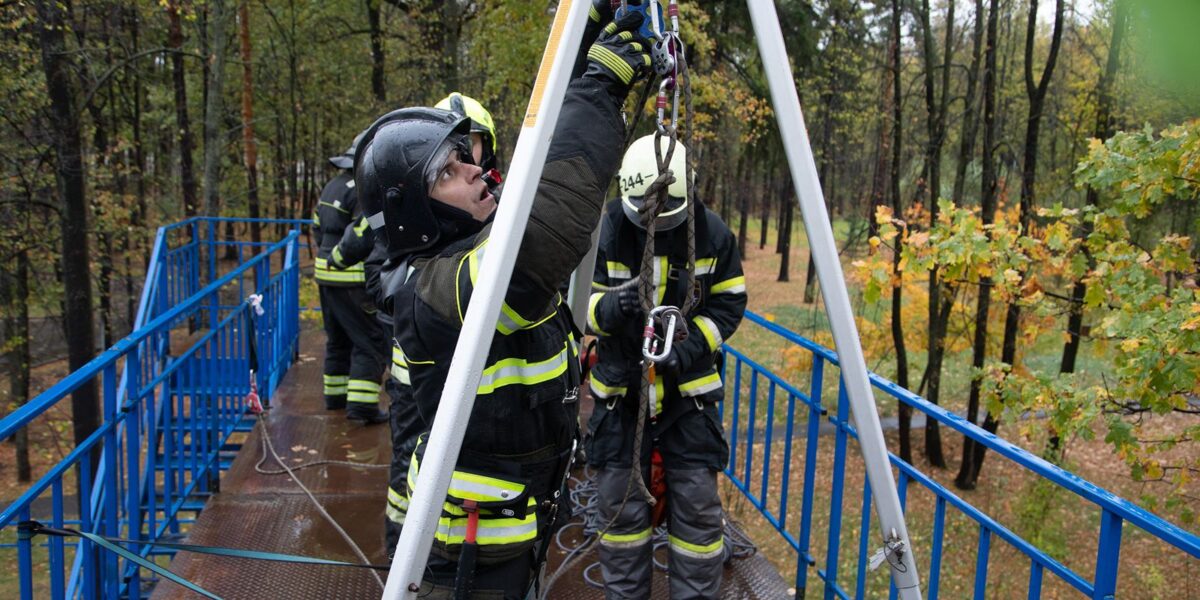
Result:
{"points": [[495, 528], [352, 274]]}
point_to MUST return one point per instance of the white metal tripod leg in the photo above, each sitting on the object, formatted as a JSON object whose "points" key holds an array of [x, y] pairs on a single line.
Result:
{"points": [[475, 338], [786, 104]]}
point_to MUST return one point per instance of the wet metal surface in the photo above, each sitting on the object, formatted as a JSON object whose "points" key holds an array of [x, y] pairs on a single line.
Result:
{"points": [[750, 578], [270, 513]]}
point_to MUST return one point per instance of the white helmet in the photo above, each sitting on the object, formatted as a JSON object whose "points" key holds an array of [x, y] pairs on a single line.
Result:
{"points": [[639, 169]]}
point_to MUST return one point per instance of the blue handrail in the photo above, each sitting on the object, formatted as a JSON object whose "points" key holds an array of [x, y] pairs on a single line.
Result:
{"points": [[741, 417], [172, 413]]}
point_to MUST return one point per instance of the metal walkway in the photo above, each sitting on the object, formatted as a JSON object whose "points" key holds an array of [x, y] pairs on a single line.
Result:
{"points": [[270, 513]]}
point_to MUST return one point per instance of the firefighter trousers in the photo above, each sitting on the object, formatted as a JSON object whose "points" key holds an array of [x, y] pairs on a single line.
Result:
{"points": [[355, 346], [693, 448]]}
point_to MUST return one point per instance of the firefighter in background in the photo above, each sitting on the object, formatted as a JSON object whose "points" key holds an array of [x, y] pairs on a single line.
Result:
{"points": [[683, 423], [355, 342], [415, 170], [360, 245]]}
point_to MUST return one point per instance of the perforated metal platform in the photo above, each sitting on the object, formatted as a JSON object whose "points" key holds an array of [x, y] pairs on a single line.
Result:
{"points": [[270, 513]]}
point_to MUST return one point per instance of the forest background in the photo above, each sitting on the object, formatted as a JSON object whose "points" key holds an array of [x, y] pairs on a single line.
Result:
{"points": [[1014, 182]]}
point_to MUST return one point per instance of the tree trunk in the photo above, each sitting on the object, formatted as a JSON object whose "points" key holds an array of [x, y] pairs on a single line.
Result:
{"points": [[879, 184], [905, 411], [70, 177], [214, 110], [18, 357], [187, 174], [1103, 131], [1037, 100], [249, 145], [787, 207], [378, 90], [967, 476], [744, 214], [966, 147], [768, 188]]}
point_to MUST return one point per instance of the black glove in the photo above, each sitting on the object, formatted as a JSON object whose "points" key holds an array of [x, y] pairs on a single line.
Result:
{"points": [[619, 57], [671, 365], [629, 303]]}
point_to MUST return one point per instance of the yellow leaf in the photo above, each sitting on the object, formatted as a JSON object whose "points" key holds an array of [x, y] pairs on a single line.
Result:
{"points": [[1130, 344]]}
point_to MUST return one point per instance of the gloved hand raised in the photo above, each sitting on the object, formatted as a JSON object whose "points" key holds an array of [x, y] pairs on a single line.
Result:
{"points": [[619, 57]]}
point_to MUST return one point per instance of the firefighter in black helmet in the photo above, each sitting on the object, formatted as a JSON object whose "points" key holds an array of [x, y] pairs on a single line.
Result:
{"points": [[355, 342], [426, 198]]}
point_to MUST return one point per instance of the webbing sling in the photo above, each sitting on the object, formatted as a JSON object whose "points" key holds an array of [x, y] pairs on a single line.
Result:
{"points": [[28, 529]]}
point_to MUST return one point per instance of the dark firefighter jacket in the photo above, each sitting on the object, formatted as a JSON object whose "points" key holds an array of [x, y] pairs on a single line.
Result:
{"points": [[358, 239], [722, 302], [336, 209], [523, 423]]}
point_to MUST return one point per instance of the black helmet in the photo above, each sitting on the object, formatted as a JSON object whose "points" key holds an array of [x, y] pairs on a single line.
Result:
{"points": [[390, 173], [345, 160]]}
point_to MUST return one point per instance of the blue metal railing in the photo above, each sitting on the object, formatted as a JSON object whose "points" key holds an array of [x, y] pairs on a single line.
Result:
{"points": [[171, 409], [750, 441]]}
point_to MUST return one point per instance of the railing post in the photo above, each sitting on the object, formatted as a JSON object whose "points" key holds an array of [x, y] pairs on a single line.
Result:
{"points": [[133, 447], [811, 441], [1108, 555], [25, 559], [214, 305], [835, 496], [110, 513]]}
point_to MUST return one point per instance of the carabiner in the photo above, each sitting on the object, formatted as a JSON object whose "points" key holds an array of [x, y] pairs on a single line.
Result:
{"points": [[670, 318]]}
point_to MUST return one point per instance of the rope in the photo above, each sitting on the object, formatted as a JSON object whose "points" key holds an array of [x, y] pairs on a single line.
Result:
{"points": [[584, 504], [316, 463], [262, 421]]}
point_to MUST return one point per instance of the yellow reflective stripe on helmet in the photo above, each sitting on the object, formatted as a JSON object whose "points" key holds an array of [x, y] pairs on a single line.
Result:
{"points": [[603, 390], [712, 334], [618, 270], [700, 385], [626, 540], [701, 551], [736, 285], [593, 302], [705, 266], [515, 370]]}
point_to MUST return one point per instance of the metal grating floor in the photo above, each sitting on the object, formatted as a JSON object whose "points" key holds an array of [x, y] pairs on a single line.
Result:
{"points": [[270, 513]]}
